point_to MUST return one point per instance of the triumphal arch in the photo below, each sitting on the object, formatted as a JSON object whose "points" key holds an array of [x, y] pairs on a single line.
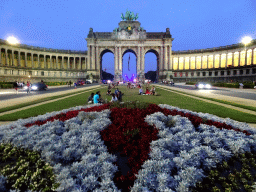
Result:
{"points": [[130, 37]]}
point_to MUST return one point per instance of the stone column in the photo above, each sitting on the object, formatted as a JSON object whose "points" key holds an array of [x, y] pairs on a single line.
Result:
{"points": [[239, 56], [165, 58], [68, 65], [184, 63], [93, 58], [171, 62], [97, 60], [207, 62], [89, 58], [178, 63], [213, 61], [161, 61], [201, 62], [142, 54], [62, 63], [233, 55], [26, 60], [1, 56], [120, 59], [226, 64], [32, 60], [45, 66], [74, 63], [251, 61], [220, 61], [51, 62], [139, 60], [6, 57], [12, 58], [245, 63], [57, 62], [195, 62]]}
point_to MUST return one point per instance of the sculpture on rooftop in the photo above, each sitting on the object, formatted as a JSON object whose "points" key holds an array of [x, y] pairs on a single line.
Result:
{"points": [[129, 16]]}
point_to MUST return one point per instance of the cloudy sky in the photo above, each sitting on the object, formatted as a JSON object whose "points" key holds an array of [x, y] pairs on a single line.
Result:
{"points": [[64, 24]]}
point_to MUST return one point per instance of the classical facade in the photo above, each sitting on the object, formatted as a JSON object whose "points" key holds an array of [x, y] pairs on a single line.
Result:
{"points": [[22, 63], [130, 37], [229, 63]]}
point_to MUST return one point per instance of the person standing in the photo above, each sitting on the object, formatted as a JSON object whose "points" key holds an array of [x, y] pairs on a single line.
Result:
{"points": [[96, 97], [119, 96], [28, 87]]}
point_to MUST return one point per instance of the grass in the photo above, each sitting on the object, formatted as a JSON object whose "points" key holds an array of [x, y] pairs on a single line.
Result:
{"points": [[37, 101], [163, 97], [220, 101]]}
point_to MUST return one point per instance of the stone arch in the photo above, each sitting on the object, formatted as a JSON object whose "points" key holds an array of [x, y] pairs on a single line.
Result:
{"points": [[156, 51], [102, 51], [127, 49]]}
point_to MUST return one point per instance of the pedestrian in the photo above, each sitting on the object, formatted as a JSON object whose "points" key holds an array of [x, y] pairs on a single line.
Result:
{"points": [[70, 83], [90, 98], [141, 91], [109, 86], [241, 85], [28, 87], [101, 99], [16, 87], [96, 97], [119, 96], [114, 98], [75, 85], [153, 90]]}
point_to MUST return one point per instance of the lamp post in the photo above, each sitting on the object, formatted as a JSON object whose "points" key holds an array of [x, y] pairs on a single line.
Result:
{"points": [[246, 40]]}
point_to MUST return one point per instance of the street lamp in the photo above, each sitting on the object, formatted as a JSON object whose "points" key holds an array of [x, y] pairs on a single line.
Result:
{"points": [[12, 40], [246, 40]]}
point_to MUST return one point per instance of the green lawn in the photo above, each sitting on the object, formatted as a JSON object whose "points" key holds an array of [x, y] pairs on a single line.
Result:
{"points": [[164, 97]]}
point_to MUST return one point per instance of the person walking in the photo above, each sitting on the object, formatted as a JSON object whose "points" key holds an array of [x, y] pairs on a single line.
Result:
{"points": [[70, 83], [75, 85], [90, 98], [28, 87], [96, 97]]}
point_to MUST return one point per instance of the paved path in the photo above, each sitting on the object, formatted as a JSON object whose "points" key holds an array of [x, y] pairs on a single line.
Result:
{"points": [[242, 101]]}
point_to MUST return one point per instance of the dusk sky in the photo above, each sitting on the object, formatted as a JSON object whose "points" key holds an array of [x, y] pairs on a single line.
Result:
{"points": [[64, 24]]}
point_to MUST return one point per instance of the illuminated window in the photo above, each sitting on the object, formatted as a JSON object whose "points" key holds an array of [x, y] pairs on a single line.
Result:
{"points": [[223, 60], [187, 63], [210, 61], [175, 63], [198, 62], [249, 57], [181, 63], [217, 61], [193, 66], [236, 57], [229, 62], [242, 58], [204, 62]]}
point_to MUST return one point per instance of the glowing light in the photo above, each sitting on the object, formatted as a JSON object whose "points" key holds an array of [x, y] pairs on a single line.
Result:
{"points": [[246, 40], [12, 40]]}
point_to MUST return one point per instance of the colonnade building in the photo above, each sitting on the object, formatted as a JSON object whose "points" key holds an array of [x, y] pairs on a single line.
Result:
{"points": [[227, 63]]}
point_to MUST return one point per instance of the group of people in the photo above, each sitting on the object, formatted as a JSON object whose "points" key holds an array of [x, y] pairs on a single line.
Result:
{"points": [[95, 98], [151, 92]]}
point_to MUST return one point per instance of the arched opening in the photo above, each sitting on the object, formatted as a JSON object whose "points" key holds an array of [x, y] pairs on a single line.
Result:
{"points": [[129, 65], [151, 65], [107, 65]]}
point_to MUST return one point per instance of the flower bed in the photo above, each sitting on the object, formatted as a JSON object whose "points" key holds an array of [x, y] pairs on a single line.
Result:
{"points": [[158, 148]]}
